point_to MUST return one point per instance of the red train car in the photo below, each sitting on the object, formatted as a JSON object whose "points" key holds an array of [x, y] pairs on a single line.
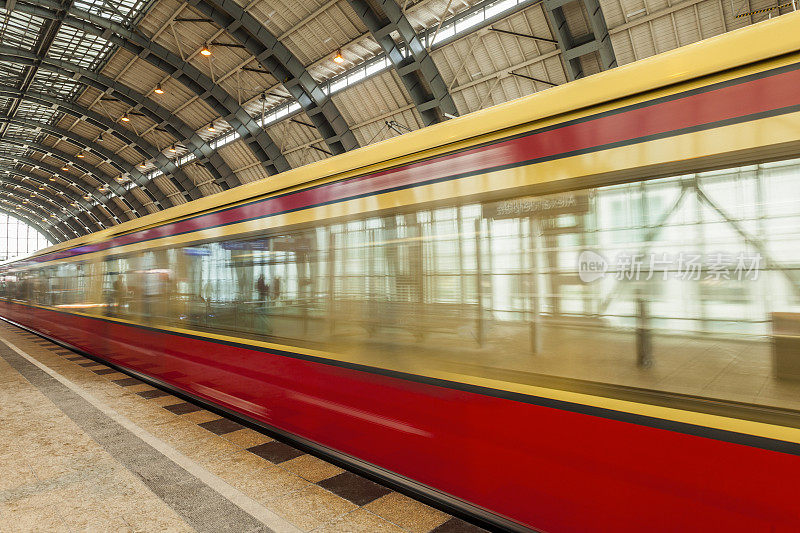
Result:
{"points": [[571, 312]]}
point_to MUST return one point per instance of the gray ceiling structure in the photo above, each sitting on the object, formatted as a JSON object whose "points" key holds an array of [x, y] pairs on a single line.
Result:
{"points": [[113, 110]]}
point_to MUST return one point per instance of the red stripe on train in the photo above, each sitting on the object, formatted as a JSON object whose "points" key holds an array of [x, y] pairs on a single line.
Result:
{"points": [[755, 96], [547, 468]]}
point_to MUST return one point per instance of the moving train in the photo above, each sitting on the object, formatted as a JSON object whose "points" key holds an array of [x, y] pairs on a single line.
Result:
{"points": [[575, 311]]}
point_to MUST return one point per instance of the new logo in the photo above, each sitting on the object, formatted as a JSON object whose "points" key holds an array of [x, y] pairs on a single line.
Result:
{"points": [[591, 266]]}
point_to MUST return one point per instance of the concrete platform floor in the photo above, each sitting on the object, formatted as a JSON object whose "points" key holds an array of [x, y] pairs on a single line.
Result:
{"points": [[86, 448]]}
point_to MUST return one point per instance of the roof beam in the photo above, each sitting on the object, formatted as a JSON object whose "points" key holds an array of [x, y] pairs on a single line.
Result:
{"points": [[8, 164], [415, 67], [162, 162], [67, 158], [36, 208], [44, 40], [279, 61], [223, 175], [83, 143], [36, 164], [84, 215], [53, 199], [182, 71], [572, 49]]}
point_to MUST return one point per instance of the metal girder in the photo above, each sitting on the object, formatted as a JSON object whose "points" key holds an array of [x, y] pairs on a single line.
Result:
{"points": [[265, 149], [278, 60], [415, 67], [162, 162], [43, 213], [44, 39], [572, 49], [87, 219], [84, 144], [65, 191], [55, 185], [223, 175], [63, 156], [38, 195], [82, 216], [34, 224], [137, 177]]}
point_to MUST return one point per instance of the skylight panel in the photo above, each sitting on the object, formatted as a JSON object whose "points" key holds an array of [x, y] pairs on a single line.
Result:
{"points": [[123, 11], [20, 30], [79, 48]]}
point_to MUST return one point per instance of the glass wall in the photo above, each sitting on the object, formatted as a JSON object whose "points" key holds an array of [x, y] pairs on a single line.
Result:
{"points": [[18, 238]]}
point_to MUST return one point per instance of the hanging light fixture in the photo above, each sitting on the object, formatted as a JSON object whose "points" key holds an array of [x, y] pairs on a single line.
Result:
{"points": [[41, 187], [81, 155], [125, 118], [337, 57], [211, 127], [65, 168], [205, 51], [158, 89], [87, 197], [100, 137], [143, 164], [173, 149], [52, 178]]}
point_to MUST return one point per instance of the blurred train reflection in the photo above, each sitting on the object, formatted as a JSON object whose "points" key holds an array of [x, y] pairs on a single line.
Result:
{"points": [[681, 276]]}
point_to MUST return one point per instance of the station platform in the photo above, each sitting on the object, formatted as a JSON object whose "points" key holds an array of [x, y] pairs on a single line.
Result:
{"points": [[86, 448]]}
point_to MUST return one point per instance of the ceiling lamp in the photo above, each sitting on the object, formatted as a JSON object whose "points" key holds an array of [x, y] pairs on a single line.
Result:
{"points": [[337, 58], [125, 118], [87, 197], [100, 137], [53, 215], [121, 179], [143, 164], [74, 204], [211, 127], [205, 51], [158, 89], [81, 155], [41, 187], [52, 178], [173, 149], [65, 168]]}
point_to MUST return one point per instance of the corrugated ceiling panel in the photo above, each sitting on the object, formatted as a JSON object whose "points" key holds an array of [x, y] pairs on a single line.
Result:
{"points": [[375, 96]]}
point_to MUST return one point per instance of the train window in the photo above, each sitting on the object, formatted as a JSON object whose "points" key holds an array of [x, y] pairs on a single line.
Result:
{"points": [[560, 285]]}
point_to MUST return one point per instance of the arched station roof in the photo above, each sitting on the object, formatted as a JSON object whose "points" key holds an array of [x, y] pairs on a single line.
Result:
{"points": [[113, 110]]}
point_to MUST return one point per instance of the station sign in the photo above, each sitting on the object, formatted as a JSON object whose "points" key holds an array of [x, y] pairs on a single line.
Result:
{"points": [[552, 205]]}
